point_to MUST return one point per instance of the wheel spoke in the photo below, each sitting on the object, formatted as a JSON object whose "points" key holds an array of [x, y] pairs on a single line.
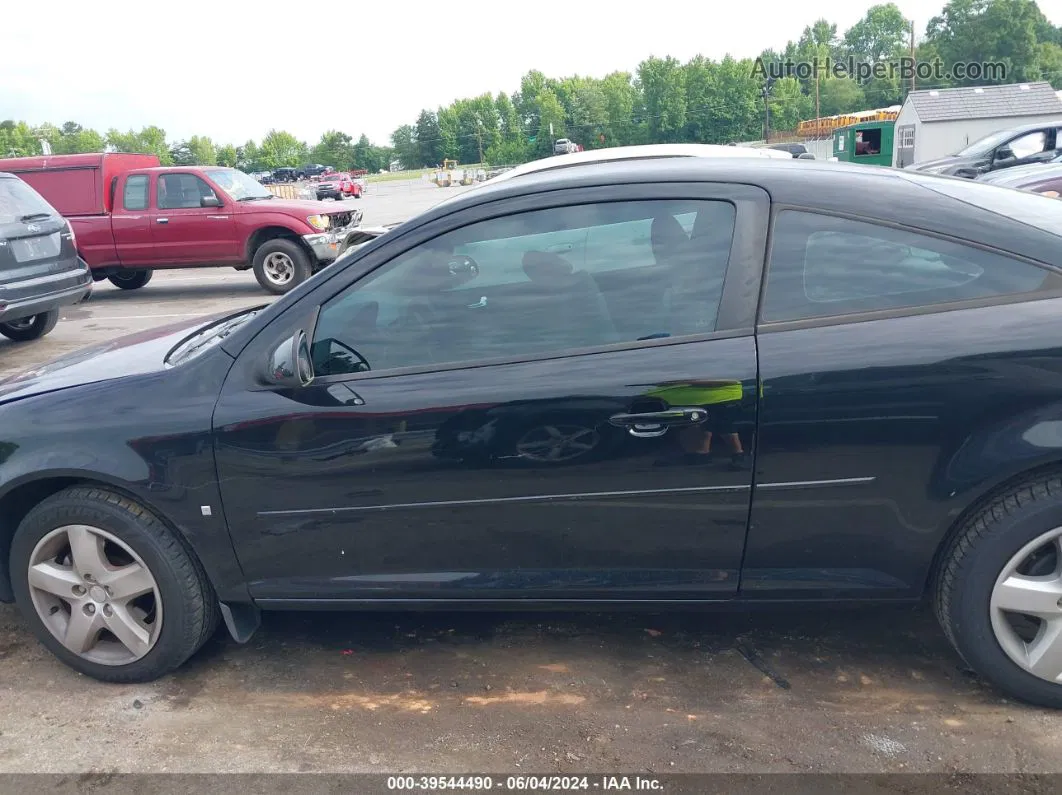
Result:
{"points": [[552, 432], [580, 445], [129, 582], [1045, 652], [1032, 596], [82, 631], [87, 550], [54, 579], [132, 634]]}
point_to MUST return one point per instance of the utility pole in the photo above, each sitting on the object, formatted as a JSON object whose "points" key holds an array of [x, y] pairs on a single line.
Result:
{"points": [[479, 135], [766, 92], [818, 114], [912, 56]]}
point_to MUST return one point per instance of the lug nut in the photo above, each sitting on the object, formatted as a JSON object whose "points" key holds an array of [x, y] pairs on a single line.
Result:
{"points": [[89, 578], [79, 590], [90, 609], [108, 610]]}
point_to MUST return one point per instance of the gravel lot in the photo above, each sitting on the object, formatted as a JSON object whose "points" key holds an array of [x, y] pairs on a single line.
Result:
{"points": [[782, 691]]}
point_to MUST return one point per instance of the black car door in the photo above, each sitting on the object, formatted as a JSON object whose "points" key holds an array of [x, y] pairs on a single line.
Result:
{"points": [[489, 420], [888, 357]]}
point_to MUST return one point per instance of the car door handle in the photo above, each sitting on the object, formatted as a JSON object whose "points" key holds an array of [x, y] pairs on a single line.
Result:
{"points": [[560, 247], [656, 423], [162, 220]]}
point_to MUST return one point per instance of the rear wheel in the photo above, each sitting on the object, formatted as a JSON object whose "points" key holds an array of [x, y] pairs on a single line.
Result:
{"points": [[999, 592], [280, 265], [30, 328], [108, 589], [131, 280]]}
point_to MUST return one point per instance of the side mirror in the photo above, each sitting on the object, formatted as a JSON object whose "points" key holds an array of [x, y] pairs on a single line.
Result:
{"points": [[210, 201], [290, 364]]}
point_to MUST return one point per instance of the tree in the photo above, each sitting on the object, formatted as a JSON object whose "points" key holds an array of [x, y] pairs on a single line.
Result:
{"points": [[883, 34], [984, 31], [228, 156], [75, 139], [789, 104], [663, 83], [335, 149], [281, 149], [840, 95], [149, 141], [429, 139], [550, 115], [249, 158], [404, 142]]}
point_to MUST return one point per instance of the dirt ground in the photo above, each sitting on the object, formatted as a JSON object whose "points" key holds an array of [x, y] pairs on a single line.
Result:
{"points": [[852, 691]]}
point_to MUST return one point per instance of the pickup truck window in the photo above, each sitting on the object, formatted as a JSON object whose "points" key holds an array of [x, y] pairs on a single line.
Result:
{"points": [[135, 195], [182, 191]]}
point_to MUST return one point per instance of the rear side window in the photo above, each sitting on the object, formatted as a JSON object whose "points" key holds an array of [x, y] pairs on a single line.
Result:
{"points": [[823, 266], [182, 191], [1029, 208], [18, 200], [135, 195]]}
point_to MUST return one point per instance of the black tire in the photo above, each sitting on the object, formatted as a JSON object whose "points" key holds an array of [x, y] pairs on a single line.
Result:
{"points": [[969, 569], [131, 280], [300, 262], [31, 328], [190, 608]]}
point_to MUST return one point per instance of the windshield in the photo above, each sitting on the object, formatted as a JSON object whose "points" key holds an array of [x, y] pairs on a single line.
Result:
{"points": [[982, 146], [237, 184], [18, 201]]}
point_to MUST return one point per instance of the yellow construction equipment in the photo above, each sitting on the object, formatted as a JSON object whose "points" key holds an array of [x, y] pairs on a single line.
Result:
{"points": [[449, 175]]}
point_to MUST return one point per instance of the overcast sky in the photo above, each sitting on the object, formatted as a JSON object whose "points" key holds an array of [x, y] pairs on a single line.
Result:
{"points": [[232, 69]]}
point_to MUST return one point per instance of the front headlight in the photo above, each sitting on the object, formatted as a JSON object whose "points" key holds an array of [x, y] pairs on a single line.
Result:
{"points": [[319, 222]]}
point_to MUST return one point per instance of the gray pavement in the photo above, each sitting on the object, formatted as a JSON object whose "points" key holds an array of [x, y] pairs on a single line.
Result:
{"points": [[861, 690]]}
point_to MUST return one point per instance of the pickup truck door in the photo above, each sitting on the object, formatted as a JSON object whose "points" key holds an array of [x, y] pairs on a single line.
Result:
{"points": [[186, 232], [131, 220]]}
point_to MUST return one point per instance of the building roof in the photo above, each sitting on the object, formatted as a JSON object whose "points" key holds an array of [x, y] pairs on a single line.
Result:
{"points": [[986, 102]]}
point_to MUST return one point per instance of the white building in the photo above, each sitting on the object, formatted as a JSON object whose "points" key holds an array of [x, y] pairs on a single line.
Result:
{"points": [[940, 122]]}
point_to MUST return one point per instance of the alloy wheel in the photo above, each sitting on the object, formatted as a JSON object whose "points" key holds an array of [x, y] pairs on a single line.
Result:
{"points": [[22, 324], [279, 268], [1026, 607], [554, 443], [95, 595]]}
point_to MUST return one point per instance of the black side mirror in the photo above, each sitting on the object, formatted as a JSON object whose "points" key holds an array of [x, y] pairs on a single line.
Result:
{"points": [[210, 201], [290, 364]]}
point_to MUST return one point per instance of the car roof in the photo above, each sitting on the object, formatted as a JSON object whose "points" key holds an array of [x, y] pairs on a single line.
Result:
{"points": [[647, 151], [876, 193]]}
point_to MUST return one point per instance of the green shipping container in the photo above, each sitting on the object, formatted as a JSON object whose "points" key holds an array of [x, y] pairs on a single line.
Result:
{"points": [[869, 142]]}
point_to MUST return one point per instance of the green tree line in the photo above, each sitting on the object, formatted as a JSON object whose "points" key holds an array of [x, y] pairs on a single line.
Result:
{"points": [[662, 101]]}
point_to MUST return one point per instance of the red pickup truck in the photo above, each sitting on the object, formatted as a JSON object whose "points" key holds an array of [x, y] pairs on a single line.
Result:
{"points": [[133, 217]]}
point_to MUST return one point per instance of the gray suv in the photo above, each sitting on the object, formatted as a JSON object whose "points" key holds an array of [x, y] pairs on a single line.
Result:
{"points": [[40, 270]]}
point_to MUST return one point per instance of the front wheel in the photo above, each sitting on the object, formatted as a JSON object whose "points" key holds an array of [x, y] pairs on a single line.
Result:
{"points": [[131, 280], [280, 265], [108, 589], [30, 328], [999, 591]]}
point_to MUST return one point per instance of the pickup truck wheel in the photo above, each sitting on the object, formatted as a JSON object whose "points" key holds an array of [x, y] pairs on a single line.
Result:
{"points": [[108, 588], [279, 265], [30, 328], [999, 591], [131, 280]]}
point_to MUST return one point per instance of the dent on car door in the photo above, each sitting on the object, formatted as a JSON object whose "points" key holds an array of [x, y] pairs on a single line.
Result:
{"points": [[518, 446], [862, 420]]}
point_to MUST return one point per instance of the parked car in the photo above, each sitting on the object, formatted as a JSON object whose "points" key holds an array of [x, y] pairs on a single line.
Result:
{"points": [[40, 271], [133, 217], [1006, 177], [338, 187], [313, 170], [1040, 180], [283, 175], [606, 383], [1016, 146], [563, 146]]}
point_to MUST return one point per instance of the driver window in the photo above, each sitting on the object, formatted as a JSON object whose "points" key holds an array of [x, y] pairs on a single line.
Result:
{"points": [[1025, 146], [534, 283]]}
